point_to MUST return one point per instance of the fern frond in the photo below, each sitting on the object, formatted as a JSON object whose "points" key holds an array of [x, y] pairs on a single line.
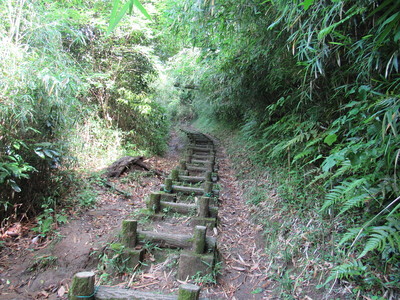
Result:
{"points": [[277, 150], [348, 270], [303, 154], [319, 177], [381, 237], [345, 166], [355, 201], [314, 141], [342, 193], [296, 140], [351, 233]]}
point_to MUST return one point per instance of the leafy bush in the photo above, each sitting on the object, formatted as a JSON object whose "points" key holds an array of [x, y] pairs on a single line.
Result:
{"points": [[70, 93], [39, 84]]}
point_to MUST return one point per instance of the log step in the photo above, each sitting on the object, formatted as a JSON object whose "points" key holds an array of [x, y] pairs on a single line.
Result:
{"points": [[188, 190], [194, 179], [115, 293], [200, 149], [196, 168], [186, 292], [170, 240], [184, 208], [198, 161]]}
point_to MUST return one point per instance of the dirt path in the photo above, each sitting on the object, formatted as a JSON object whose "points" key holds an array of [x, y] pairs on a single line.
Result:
{"points": [[240, 243], [44, 271]]}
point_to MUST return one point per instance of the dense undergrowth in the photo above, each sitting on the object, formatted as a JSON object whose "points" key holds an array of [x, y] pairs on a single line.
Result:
{"points": [[73, 99], [312, 87], [301, 243]]}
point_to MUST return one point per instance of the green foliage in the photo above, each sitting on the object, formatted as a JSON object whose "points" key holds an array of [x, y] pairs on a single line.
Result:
{"points": [[121, 88], [72, 96], [347, 270], [113, 260], [94, 145], [315, 86], [120, 10], [256, 195], [209, 278], [39, 84], [150, 247], [48, 221], [384, 239]]}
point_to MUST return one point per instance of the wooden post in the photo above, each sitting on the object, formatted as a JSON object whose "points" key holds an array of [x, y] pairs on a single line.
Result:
{"points": [[82, 286], [168, 185], [154, 203], [182, 165], [189, 292], [208, 176], [199, 239], [208, 188], [202, 206], [129, 228], [175, 175], [189, 154]]}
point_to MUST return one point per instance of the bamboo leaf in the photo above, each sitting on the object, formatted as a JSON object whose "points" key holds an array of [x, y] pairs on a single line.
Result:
{"points": [[116, 16], [114, 22], [40, 153], [14, 186], [307, 3], [324, 32], [140, 7], [115, 9], [330, 139]]}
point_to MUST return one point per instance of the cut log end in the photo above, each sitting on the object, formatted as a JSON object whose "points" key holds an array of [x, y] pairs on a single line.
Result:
{"points": [[82, 286], [189, 292]]}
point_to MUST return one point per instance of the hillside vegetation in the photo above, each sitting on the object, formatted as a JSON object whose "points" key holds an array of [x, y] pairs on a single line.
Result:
{"points": [[311, 88], [73, 98]]}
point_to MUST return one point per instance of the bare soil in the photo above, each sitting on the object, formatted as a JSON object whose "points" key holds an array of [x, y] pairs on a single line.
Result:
{"points": [[43, 270]]}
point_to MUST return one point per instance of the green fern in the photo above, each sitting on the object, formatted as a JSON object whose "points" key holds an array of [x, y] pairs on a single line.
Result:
{"points": [[345, 167], [278, 149], [344, 193], [300, 138], [347, 270], [319, 177], [352, 234], [381, 238], [310, 150], [303, 154], [356, 201]]}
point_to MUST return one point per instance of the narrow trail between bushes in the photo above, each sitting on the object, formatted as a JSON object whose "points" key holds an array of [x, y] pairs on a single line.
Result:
{"points": [[240, 242], [43, 269]]}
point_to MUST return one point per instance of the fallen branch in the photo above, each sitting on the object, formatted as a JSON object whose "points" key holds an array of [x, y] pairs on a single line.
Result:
{"points": [[112, 187], [127, 163]]}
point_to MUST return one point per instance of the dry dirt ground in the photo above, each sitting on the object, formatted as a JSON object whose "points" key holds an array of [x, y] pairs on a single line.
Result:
{"points": [[43, 270]]}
